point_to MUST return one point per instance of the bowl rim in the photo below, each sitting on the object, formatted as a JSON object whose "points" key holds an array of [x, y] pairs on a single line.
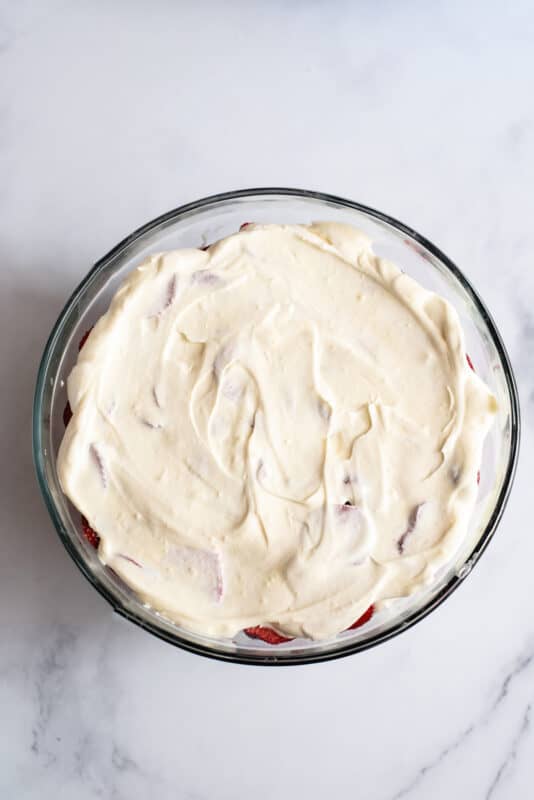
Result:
{"points": [[278, 658]]}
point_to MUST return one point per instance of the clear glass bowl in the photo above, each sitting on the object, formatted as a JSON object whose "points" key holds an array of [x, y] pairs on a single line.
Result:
{"points": [[205, 221]]}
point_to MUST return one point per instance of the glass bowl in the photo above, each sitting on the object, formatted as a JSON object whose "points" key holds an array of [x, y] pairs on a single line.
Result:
{"points": [[198, 224]]}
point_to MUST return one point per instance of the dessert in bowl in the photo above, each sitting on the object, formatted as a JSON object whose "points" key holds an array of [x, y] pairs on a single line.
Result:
{"points": [[276, 435]]}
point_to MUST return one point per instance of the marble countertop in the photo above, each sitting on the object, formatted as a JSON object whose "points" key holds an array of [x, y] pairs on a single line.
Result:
{"points": [[112, 113]]}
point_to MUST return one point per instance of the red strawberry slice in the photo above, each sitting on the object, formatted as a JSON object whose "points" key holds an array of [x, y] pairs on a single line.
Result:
{"points": [[365, 617], [84, 338], [266, 635], [89, 534], [67, 414], [272, 637]]}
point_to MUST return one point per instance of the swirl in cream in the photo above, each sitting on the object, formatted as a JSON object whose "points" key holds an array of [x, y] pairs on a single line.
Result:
{"points": [[279, 430]]}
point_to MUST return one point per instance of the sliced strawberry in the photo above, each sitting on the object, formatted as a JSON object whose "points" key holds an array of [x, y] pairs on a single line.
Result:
{"points": [[244, 225], [67, 414], [84, 338], [412, 524], [365, 617], [91, 535], [266, 635], [272, 637]]}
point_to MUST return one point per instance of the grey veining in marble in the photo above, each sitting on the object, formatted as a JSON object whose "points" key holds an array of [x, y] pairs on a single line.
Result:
{"points": [[111, 113]]}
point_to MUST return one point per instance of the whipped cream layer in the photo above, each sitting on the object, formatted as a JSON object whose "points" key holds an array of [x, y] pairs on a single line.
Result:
{"points": [[279, 430]]}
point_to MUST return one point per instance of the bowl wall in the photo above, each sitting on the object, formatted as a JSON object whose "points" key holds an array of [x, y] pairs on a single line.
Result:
{"points": [[201, 223]]}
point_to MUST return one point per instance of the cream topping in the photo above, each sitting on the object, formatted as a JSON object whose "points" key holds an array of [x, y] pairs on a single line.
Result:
{"points": [[279, 430]]}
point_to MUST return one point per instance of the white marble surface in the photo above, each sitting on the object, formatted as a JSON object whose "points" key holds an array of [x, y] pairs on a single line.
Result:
{"points": [[113, 112]]}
